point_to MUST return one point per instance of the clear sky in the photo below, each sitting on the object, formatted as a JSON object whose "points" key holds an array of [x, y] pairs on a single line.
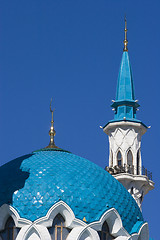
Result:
{"points": [[71, 50]]}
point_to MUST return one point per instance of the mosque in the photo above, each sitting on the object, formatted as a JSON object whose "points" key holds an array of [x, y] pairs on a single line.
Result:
{"points": [[52, 194]]}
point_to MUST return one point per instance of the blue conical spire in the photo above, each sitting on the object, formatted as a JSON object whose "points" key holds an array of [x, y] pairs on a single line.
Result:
{"points": [[125, 105], [125, 88]]}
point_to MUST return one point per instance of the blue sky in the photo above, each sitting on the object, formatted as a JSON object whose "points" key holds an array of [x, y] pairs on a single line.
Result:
{"points": [[71, 50]]}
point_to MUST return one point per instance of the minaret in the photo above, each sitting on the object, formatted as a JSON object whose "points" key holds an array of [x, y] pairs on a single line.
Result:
{"points": [[125, 132]]}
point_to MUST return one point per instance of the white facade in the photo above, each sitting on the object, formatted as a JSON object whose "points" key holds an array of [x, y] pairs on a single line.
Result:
{"points": [[38, 230], [125, 161], [125, 137]]}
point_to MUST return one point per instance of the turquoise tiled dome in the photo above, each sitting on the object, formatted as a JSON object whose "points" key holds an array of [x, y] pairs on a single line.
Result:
{"points": [[34, 182]]}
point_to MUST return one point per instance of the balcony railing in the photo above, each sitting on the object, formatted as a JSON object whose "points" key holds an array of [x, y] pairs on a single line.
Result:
{"points": [[129, 169], [146, 173]]}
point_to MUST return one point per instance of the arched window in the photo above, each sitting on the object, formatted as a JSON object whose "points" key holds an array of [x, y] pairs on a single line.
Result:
{"points": [[58, 231], [10, 232], [119, 159], [138, 165], [111, 159], [104, 233], [129, 158]]}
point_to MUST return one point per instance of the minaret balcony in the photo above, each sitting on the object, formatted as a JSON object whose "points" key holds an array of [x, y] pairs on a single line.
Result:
{"points": [[130, 170]]}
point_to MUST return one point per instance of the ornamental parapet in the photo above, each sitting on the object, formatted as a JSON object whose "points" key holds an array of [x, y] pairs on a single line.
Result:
{"points": [[129, 169]]}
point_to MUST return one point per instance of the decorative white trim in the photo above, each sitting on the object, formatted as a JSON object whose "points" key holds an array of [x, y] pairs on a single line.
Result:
{"points": [[80, 230], [85, 233], [114, 222], [123, 137], [33, 230], [59, 207], [144, 232], [6, 211], [141, 235], [125, 123]]}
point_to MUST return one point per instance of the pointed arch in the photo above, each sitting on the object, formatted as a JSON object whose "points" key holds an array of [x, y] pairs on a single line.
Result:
{"points": [[119, 158], [7, 211], [83, 233], [33, 236], [10, 231], [58, 231], [129, 158], [33, 232], [114, 222], [104, 234], [58, 208]]}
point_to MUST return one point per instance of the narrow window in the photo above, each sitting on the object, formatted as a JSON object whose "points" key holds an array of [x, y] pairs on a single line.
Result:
{"points": [[129, 158], [138, 167], [111, 163], [119, 159], [104, 233], [58, 231], [10, 232]]}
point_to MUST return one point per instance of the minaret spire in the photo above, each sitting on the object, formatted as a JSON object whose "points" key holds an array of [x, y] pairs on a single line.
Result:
{"points": [[125, 105], [52, 131], [125, 38], [125, 132]]}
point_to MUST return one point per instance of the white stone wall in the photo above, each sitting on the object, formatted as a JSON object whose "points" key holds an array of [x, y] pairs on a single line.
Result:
{"points": [[125, 136]]}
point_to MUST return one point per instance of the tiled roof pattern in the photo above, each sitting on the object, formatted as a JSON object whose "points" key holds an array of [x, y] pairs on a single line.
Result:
{"points": [[125, 88], [37, 181]]}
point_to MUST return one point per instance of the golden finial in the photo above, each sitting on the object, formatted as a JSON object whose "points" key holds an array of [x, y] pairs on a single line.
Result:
{"points": [[125, 39], [52, 131], [84, 219]]}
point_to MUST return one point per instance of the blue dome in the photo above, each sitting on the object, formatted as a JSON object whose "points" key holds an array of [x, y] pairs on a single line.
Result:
{"points": [[35, 182]]}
